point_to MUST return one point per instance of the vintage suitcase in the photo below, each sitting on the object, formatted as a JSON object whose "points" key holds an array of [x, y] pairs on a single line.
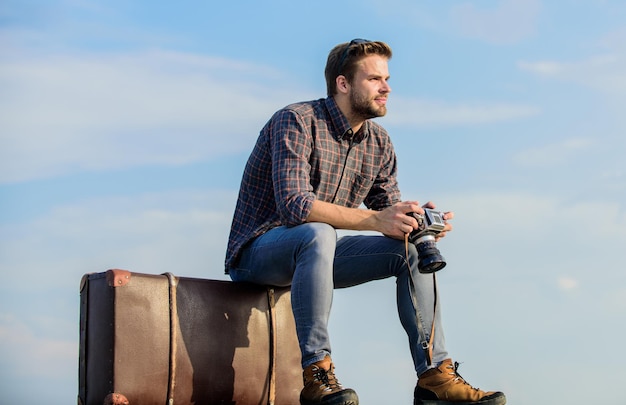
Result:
{"points": [[162, 339]]}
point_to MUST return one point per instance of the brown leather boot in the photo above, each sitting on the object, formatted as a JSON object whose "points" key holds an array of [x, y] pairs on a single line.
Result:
{"points": [[322, 388], [444, 386]]}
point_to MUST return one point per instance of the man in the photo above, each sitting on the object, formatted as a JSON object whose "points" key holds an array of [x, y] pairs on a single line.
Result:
{"points": [[312, 167]]}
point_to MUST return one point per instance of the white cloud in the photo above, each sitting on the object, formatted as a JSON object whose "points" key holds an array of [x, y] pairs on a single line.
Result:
{"points": [[71, 112], [554, 154], [614, 40], [596, 132], [509, 22], [26, 353], [543, 68], [430, 113], [615, 301], [567, 283], [604, 73], [505, 22]]}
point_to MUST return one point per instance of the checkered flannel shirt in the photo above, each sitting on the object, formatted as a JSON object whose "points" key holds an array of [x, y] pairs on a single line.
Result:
{"points": [[307, 151]]}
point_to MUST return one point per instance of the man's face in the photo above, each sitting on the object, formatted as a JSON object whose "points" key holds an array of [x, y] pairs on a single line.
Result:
{"points": [[369, 88]]}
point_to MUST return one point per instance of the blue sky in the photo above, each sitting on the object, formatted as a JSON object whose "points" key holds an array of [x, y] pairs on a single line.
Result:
{"points": [[124, 128]]}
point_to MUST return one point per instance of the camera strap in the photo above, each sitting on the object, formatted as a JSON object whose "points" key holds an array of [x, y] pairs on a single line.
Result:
{"points": [[426, 342]]}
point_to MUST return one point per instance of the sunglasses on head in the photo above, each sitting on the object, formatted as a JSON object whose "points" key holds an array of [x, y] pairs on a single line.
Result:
{"points": [[344, 55]]}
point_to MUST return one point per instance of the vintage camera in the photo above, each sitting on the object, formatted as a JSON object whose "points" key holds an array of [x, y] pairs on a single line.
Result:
{"points": [[429, 225]]}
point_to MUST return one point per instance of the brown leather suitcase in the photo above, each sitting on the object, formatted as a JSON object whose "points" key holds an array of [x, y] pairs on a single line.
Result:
{"points": [[161, 339]]}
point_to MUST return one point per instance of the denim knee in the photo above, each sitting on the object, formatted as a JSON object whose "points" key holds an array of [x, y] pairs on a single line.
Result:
{"points": [[318, 237]]}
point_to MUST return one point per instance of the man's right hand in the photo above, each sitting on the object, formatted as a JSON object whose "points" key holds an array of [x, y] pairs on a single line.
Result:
{"points": [[394, 222]]}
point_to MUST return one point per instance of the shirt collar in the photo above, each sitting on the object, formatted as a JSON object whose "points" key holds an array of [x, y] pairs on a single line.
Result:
{"points": [[341, 125]]}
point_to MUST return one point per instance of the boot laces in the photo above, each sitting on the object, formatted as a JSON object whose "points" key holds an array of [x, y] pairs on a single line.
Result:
{"points": [[457, 376], [328, 379]]}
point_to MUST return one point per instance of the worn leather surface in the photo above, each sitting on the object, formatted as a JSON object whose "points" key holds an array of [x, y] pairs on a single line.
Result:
{"points": [[222, 348]]}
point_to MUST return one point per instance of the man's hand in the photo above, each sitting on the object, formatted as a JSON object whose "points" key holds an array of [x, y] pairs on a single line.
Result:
{"points": [[394, 222]]}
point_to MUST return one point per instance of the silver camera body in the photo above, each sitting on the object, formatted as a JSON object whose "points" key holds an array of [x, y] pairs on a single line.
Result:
{"points": [[429, 224]]}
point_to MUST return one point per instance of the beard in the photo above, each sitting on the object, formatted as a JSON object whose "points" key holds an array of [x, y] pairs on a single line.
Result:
{"points": [[365, 108]]}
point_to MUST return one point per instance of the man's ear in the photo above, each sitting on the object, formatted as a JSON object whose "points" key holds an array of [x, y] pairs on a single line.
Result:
{"points": [[342, 84]]}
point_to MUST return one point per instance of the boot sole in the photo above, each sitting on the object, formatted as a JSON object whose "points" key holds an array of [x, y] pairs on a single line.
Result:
{"points": [[347, 397], [335, 402], [498, 400]]}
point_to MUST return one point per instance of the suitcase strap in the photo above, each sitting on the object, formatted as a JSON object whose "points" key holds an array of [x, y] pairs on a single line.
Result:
{"points": [[271, 301], [172, 283]]}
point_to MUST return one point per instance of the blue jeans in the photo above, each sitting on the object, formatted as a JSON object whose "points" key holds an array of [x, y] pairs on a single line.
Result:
{"points": [[311, 259]]}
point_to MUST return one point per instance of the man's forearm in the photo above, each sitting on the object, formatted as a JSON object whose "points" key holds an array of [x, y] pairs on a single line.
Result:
{"points": [[340, 217], [393, 221]]}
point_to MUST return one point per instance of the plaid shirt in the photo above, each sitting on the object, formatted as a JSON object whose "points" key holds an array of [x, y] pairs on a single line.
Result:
{"points": [[307, 151]]}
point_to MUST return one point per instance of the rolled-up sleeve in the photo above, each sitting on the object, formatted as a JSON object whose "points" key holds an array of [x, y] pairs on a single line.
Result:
{"points": [[292, 146]]}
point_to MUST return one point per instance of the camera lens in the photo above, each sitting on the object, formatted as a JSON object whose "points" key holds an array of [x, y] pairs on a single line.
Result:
{"points": [[430, 259]]}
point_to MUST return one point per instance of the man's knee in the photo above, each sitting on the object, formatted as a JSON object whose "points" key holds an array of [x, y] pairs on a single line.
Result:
{"points": [[319, 232], [319, 236]]}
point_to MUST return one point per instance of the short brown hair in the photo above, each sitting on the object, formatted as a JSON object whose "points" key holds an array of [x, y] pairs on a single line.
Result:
{"points": [[343, 58]]}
